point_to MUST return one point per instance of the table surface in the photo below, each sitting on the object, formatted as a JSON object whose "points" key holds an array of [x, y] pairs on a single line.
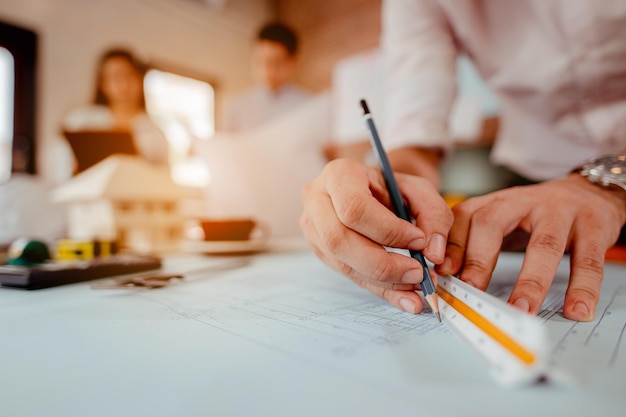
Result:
{"points": [[281, 334]]}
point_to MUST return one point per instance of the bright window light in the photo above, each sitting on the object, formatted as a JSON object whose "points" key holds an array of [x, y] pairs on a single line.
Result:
{"points": [[186, 101], [7, 81], [185, 109]]}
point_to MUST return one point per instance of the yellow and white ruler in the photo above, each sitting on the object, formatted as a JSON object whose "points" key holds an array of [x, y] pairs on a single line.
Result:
{"points": [[514, 344]]}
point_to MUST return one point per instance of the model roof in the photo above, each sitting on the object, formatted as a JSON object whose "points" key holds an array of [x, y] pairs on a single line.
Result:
{"points": [[121, 177]]}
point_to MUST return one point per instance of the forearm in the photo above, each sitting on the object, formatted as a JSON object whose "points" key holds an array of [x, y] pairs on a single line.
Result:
{"points": [[422, 162]]}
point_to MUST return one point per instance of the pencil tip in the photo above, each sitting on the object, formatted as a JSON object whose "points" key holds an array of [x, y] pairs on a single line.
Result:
{"points": [[366, 110], [433, 302], [438, 317]]}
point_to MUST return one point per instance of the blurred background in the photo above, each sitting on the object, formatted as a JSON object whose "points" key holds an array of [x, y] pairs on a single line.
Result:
{"points": [[199, 55]]}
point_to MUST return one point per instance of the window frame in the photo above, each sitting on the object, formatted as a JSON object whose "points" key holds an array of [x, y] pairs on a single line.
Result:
{"points": [[23, 45]]}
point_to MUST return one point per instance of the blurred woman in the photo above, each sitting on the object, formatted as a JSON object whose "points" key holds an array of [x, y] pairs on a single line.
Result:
{"points": [[119, 104]]}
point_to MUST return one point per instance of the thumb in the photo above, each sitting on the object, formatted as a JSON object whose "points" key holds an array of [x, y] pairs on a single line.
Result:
{"points": [[432, 215]]}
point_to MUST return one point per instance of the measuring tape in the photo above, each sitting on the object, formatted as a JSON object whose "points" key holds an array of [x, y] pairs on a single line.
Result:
{"points": [[514, 344]]}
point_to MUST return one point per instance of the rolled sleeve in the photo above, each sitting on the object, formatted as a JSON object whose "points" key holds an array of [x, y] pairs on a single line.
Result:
{"points": [[419, 52]]}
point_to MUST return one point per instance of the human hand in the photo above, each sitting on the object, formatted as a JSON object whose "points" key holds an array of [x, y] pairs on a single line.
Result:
{"points": [[347, 221], [566, 214]]}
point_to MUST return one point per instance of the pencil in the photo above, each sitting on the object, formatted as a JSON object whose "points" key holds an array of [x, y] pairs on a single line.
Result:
{"points": [[397, 202]]}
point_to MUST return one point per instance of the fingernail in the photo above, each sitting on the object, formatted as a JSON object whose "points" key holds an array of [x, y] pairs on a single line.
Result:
{"points": [[581, 310], [437, 246], [446, 266], [412, 276], [522, 304], [417, 244], [407, 305]]}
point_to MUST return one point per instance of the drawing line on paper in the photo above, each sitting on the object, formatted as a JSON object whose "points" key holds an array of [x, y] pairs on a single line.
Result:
{"points": [[358, 323], [344, 323], [597, 330], [369, 316], [289, 323], [616, 348], [363, 378], [553, 304], [593, 330], [563, 338]]}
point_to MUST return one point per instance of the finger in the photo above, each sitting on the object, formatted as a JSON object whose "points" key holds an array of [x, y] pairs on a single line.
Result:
{"points": [[586, 273], [488, 226], [357, 255], [431, 212], [309, 193], [358, 209], [545, 250], [309, 231], [457, 237], [356, 276], [408, 301], [318, 210], [344, 268]]}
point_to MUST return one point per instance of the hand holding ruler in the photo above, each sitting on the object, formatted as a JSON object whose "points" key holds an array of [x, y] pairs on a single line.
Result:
{"points": [[513, 343]]}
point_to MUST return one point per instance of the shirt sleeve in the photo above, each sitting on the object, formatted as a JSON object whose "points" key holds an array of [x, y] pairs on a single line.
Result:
{"points": [[419, 55]]}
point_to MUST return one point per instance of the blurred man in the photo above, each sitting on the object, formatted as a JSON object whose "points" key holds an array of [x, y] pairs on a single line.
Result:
{"points": [[273, 66]]}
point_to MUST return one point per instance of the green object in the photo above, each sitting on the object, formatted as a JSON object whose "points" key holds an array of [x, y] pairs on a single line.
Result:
{"points": [[28, 252]]}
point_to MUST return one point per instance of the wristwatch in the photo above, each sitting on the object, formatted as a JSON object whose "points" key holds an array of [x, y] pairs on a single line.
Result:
{"points": [[607, 171]]}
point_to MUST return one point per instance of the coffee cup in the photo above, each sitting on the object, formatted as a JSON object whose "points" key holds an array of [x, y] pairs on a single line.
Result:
{"points": [[233, 229]]}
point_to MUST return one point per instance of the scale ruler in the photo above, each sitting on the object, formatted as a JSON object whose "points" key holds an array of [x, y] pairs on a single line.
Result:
{"points": [[514, 344]]}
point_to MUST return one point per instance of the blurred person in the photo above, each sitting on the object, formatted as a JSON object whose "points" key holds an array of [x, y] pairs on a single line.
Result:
{"points": [[273, 66], [559, 71], [119, 104]]}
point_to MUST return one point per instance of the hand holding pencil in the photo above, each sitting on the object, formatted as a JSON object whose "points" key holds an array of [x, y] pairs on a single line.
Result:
{"points": [[397, 203], [348, 219]]}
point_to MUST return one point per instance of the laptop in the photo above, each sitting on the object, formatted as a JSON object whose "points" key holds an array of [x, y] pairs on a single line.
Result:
{"points": [[92, 146]]}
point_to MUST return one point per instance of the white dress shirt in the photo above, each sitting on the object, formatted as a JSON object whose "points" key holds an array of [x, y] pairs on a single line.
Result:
{"points": [[558, 68], [260, 105]]}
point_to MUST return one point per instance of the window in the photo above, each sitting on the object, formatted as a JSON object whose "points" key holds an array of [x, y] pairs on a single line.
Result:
{"points": [[18, 59], [7, 82], [184, 108]]}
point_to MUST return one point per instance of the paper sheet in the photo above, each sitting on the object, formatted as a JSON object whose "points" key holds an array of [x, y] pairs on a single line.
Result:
{"points": [[286, 336], [321, 317], [582, 350]]}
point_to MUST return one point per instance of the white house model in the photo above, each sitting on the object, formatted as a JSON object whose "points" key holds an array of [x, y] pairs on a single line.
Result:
{"points": [[127, 199]]}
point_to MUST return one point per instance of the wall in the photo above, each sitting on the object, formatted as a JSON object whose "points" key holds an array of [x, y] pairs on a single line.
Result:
{"points": [[187, 33], [329, 30]]}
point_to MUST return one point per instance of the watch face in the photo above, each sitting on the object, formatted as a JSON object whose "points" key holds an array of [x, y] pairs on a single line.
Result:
{"points": [[607, 170]]}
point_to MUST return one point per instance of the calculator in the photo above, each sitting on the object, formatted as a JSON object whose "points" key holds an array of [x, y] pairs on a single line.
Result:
{"points": [[54, 273]]}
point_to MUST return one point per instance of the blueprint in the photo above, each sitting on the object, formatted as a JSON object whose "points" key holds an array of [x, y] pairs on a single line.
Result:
{"points": [[282, 334], [320, 317]]}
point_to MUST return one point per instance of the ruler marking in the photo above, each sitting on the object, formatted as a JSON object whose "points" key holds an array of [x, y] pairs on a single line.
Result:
{"points": [[479, 321]]}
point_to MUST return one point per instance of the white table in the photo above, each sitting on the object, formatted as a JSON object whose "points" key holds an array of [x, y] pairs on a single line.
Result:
{"points": [[281, 336]]}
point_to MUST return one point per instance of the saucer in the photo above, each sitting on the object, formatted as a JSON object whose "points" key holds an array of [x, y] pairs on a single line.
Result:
{"points": [[225, 247]]}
